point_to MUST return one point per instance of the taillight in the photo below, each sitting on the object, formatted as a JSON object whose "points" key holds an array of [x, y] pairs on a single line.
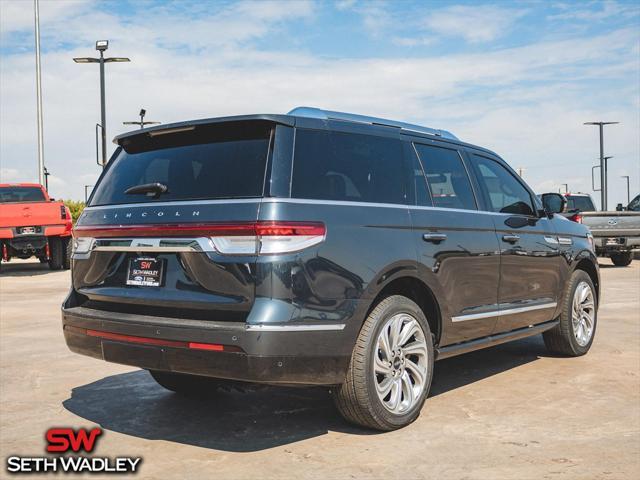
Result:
{"points": [[576, 218], [261, 238], [63, 212]]}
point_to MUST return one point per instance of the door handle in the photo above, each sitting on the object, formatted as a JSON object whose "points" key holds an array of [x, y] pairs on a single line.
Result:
{"points": [[511, 238], [434, 237]]}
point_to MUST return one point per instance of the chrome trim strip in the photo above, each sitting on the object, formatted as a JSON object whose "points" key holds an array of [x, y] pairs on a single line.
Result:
{"points": [[551, 240], [195, 244], [302, 201], [295, 328], [565, 241], [503, 313]]}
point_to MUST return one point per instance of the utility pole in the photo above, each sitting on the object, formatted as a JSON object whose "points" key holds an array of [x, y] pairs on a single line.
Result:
{"points": [[521, 171], [603, 168], [142, 122], [101, 46], [566, 187], [41, 169], [627, 177]]}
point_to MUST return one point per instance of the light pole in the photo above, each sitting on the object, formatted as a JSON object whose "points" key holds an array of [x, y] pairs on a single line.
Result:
{"points": [[566, 187], [41, 169], [603, 168], [627, 177], [86, 196], [142, 123], [46, 178], [101, 46]]}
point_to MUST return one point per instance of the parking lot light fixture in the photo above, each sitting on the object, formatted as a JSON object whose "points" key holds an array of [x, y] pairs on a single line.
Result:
{"points": [[603, 168], [102, 46]]}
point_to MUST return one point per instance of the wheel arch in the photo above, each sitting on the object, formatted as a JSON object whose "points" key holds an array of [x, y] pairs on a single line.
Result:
{"points": [[587, 264], [417, 291]]}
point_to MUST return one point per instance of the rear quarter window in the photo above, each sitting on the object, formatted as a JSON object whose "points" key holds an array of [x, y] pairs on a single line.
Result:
{"points": [[348, 167]]}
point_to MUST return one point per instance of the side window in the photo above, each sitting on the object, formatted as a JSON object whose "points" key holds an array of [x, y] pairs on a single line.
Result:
{"points": [[350, 167], [503, 191], [447, 177]]}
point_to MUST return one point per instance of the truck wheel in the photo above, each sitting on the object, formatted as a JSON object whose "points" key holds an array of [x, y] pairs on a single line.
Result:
{"points": [[391, 367], [574, 334], [184, 384], [67, 243], [621, 259], [55, 253]]}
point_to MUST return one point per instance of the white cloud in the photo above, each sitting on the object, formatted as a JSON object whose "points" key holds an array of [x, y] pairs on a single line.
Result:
{"points": [[595, 11], [475, 24]]}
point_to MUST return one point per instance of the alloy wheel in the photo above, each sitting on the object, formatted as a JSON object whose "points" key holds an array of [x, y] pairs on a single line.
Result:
{"points": [[400, 363], [583, 313]]}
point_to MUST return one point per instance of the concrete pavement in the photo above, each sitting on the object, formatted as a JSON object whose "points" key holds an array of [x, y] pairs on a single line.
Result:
{"points": [[512, 411]]}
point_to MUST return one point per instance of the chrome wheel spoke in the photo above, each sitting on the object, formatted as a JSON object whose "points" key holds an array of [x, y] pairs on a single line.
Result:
{"points": [[419, 374], [408, 330], [385, 386], [396, 395], [407, 388], [381, 366], [415, 348]]}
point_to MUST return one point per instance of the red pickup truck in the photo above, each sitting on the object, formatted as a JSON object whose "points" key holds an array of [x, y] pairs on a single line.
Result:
{"points": [[32, 224]]}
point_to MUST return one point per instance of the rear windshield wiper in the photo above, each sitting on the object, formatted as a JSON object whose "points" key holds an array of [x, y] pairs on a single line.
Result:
{"points": [[150, 189]]}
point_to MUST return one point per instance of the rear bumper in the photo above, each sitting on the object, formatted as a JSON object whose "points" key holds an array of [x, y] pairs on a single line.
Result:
{"points": [[277, 357], [614, 243]]}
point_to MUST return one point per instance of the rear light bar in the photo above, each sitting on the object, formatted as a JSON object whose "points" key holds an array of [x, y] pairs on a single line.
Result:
{"points": [[119, 337], [242, 238]]}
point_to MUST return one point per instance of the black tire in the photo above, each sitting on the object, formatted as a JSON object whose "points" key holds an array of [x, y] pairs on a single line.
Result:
{"points": [[56, 253], [561, 339], [188, 385], [43, 259], [622, 259], [357, 399], [67, 243]]}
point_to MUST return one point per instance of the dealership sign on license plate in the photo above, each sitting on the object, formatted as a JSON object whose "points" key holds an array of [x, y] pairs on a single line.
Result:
{"points": [[145, 272]]}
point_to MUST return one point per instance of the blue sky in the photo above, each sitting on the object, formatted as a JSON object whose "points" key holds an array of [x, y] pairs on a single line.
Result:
{"points": [[517, 77]]}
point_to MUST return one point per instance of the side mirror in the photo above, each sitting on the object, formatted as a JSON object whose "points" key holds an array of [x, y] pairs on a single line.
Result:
{"points": [[553, 202], [619, 207], [51, 199]]}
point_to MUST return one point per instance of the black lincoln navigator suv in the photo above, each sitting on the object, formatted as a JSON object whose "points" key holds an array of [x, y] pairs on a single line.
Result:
{"points": [[320, 248]]}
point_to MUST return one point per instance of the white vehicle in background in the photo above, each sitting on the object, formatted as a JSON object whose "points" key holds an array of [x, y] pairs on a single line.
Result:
{"points": [[616, 234]]}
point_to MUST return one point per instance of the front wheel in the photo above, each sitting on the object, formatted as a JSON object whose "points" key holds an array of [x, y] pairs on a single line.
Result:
{"points": [[621, 259], [391, 367], [574, 334]]}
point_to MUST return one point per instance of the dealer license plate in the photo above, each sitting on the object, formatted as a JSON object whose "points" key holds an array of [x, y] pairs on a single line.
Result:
{"points": [[145, 272]]}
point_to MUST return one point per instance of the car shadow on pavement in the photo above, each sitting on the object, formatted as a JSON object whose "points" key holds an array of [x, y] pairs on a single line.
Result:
{"points": [[24, 269], [259, 417]]}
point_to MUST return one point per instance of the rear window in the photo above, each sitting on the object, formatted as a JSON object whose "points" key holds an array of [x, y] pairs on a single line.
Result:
{"points": [[203, 163], [21, 194], [581, 204], [347, 167]]}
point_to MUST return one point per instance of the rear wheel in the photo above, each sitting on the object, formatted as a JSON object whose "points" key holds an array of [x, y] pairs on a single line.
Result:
{"points": [[621, 259], [184, 384], [574, 334], [391, 367], [56, 253], [67, 243]]}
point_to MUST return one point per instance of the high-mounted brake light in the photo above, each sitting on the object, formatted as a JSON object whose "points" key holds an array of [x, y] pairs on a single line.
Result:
{"points": [[241, 238]]}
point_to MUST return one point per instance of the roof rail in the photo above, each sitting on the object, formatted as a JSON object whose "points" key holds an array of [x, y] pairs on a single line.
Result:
{"points": [[312, 112]]}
